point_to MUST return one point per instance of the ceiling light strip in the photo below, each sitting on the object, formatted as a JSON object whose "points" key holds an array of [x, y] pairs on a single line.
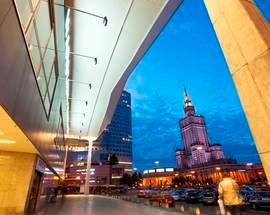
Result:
{"points": [[67, 63]]}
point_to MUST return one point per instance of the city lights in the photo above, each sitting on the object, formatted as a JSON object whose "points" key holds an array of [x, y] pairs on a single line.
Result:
{"points": [[160, 170], [169, 169]]}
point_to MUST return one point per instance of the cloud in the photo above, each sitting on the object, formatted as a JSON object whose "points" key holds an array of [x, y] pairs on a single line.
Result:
{"points": [[156, 133]]}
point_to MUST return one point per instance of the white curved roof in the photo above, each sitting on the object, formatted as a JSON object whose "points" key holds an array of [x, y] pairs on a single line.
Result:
{"points": [[132, 27]]}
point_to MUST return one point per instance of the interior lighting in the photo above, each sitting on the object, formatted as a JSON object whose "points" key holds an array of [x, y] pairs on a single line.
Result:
{"points": [[125, 162], [7, 141], [218, 168], [67, 63], [1, 133], [169, 169], [160, 170]]}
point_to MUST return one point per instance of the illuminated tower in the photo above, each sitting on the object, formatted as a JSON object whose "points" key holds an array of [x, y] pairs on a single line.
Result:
{"points": [[193, 128], [197, 148]]}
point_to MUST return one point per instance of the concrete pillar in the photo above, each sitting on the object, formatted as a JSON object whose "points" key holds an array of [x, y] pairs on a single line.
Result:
{"points": [[244, 36], [89, 158], [16, 171], [65, 161]]}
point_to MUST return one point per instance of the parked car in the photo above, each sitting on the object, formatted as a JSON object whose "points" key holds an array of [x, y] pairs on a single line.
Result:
{"points": [[183, 194], [246, 192], [167, 200], [192, 196], [144, 194], [260, 199], [209, 198], [177, 195]]}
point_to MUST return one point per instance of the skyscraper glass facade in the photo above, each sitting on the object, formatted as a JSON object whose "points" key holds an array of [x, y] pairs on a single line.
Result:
{"points": [[117, 137]]}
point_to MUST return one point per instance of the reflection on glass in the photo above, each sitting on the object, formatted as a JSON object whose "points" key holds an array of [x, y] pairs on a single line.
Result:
{"points": [[36, 20], [24, 11], [42, 83], [47, 102], [43, 24], [33, 48], [52, 83], [49, 57], [34, 3]]}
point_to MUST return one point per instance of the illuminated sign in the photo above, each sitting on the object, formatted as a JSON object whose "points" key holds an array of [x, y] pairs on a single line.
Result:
{"points": [[169, 169]]}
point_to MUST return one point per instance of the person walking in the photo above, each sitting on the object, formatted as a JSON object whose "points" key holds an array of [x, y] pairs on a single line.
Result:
{"points": [[228, 191]]}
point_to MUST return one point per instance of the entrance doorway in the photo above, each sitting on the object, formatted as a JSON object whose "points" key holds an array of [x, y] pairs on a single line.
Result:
{"points": [[34, 194]]}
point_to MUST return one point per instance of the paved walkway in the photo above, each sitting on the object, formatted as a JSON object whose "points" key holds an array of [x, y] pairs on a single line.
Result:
{"points": [[99, 205], [102, 205]]}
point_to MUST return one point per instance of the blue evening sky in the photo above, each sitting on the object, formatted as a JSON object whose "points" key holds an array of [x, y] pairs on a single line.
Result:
{"points": [[186, 53]]}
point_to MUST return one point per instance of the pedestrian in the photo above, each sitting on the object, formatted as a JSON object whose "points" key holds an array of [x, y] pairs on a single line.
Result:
{"points": [[228, 191]]}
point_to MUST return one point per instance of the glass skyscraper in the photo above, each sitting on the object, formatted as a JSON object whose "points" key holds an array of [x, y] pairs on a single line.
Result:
{"points": [[116, 139]]}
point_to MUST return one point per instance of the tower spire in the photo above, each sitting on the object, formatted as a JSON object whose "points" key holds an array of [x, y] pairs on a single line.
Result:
{"points": [[185, 90], [187, 100], [188, 106]]}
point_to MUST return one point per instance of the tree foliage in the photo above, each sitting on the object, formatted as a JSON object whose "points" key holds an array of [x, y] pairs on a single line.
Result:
{"points": [[113, 160], [131, 180]]}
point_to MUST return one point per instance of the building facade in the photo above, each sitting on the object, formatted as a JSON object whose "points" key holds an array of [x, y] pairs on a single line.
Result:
{"points": [[117, 137], [101, 174], [197, 146], [209, 174]]}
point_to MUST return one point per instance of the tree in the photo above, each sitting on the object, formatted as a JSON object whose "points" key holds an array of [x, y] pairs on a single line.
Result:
{"points": [[126, 180], [113, 160], [131, 180], [179, 181], [136, 178]]}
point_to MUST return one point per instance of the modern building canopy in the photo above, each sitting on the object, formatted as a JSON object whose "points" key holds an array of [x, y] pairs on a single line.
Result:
{"points": [[104, 42]]}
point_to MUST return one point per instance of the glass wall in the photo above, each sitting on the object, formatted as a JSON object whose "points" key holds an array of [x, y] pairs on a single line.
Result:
{"points": [[38, 27]]}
